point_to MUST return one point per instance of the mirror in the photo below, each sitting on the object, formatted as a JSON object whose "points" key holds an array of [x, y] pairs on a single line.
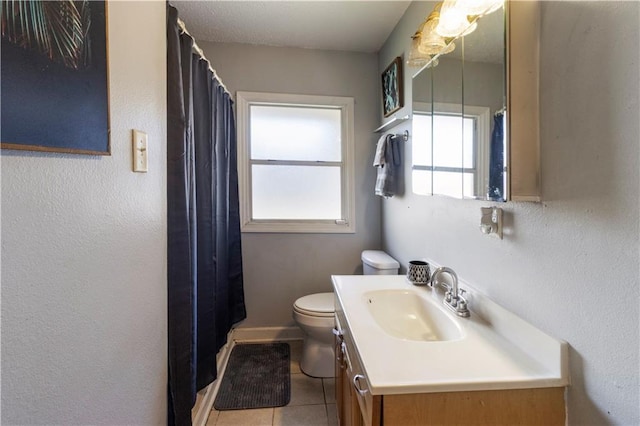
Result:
{"points": [[459, 127]]}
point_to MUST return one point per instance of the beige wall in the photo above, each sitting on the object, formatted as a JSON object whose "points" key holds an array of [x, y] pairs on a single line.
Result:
{"points": [[84, 306], [279, 268], [568, 265]]}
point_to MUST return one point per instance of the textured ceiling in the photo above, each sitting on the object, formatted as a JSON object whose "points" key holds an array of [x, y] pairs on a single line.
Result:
{"points": [[485, 44], [359, 26]]}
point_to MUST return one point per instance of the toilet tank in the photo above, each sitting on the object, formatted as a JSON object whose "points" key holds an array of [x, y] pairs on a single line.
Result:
{"points": [[377, 262]]}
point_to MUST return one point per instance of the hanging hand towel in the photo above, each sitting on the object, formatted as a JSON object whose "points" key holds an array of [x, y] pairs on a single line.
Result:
{"points": [[378, 158], [386, 179]]}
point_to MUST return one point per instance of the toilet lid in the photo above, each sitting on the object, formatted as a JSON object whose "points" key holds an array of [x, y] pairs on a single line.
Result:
{"points": [[319, 304]]}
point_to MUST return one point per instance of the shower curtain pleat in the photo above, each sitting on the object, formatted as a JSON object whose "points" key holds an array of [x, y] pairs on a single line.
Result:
{"points": [[205, 285], [206, 232]]}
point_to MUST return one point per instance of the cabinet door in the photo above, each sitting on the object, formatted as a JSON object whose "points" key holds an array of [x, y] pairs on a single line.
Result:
{"points": [[346, 399], [352, 413], [340, 378]]}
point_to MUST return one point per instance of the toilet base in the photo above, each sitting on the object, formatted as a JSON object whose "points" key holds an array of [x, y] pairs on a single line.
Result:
{"points": [[318, 359]]}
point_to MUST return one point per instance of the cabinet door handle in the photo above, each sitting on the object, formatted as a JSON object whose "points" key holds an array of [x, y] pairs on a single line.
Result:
{"points": [[356, 384], [346, 363], [341, 355]]}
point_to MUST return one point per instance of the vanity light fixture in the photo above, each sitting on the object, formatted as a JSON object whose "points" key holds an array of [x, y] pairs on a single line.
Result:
{"points": [[448, 20], [454, 21], [433, 43], [426, 43], [416, 57]]}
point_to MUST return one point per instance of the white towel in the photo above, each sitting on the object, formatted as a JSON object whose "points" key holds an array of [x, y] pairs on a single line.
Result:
{"points": [[378, 158]]}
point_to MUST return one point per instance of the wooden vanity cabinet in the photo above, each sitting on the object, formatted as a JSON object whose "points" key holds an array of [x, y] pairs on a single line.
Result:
{"points": [[544, 407], [541, 406], [353, 408], [346, 402]]}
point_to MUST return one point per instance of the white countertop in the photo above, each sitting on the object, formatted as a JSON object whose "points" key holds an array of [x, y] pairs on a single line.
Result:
{"points": [[497, 351]]}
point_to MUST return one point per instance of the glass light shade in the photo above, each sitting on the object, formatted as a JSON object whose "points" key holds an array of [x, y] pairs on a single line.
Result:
{"points": [[417, 58], [450, 48], [453, 21], [471, 28], [479, 7], [432, 43]]}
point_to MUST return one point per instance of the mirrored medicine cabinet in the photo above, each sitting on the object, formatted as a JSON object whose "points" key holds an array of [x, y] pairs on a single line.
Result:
{"points": [[475, 112]]}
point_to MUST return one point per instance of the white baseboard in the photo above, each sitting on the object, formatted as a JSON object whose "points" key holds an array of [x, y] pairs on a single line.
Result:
{"points": [[255, 334], [202, 413], [267, 334]]}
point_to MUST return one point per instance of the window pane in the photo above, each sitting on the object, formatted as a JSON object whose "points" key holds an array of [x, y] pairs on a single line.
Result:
{"points": [[421, 180], [469, 142], [447, 134], [421, 140], [447, 183], [469, 184], [296, 192], [295, 133]]}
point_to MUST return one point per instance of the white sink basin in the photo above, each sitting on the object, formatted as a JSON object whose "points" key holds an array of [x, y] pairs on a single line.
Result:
{"points": [[406, 315], [408, 342]]}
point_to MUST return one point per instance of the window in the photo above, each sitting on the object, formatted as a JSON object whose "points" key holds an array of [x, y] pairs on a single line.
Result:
{"points": [[446, 168], [295, 163]]}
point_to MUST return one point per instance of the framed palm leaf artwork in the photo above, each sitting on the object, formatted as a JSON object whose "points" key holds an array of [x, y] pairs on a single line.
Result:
{"points": [[54, 78], [392, 91]]}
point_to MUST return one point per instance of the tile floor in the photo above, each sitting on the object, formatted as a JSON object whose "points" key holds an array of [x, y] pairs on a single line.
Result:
{"points": [[312, 403]]}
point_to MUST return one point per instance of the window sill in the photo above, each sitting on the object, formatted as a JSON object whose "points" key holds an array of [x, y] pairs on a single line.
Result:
{"points": [[320, 227]]}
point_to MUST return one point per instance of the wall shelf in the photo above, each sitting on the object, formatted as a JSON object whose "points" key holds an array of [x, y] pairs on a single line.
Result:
{"points": [[391, 124]]}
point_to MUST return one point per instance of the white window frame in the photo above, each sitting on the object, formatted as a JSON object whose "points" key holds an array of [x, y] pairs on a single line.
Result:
{"points": [[482, 116], [347, 223]]}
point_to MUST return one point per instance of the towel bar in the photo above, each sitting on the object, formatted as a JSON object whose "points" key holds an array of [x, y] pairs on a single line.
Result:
{"points": [[404, 135]]}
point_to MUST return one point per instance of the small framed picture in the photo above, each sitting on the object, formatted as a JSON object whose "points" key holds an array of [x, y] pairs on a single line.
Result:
{"points": [[392, 90]]}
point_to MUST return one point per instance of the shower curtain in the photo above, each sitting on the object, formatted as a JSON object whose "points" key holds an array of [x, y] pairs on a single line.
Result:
{"points": [[205, 287], [496, 160]]}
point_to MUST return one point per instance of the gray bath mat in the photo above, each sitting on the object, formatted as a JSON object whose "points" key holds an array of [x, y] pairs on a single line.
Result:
{"points": [[257, 376]]}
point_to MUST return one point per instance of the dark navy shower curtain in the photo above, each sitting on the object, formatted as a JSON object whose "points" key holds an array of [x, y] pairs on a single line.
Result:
{"points": [[205, 287], [496, 160]]}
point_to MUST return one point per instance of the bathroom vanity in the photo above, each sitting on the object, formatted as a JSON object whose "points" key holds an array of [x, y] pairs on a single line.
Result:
{"points": [[402, 358]]}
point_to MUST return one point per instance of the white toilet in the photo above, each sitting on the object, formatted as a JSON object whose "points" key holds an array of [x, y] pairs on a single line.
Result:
{"points": [[314, 315]]}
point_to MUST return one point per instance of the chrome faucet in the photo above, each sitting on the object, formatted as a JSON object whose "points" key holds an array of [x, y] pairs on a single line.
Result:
{"points": [[453, 297]]}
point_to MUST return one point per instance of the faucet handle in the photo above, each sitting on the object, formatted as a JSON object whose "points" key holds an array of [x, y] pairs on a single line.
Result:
{"points": [[462, 306]]}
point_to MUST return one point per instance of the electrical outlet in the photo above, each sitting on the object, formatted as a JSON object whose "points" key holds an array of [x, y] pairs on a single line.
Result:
{"points": [[140, 153], [491, 221]]}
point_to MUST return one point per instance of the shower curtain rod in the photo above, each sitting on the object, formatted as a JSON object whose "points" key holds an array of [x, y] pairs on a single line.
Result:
{"points": [[199, 51]]}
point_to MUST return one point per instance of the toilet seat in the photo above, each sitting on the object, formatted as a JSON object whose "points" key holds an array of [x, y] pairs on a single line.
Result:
{"points": [[316, 305]]}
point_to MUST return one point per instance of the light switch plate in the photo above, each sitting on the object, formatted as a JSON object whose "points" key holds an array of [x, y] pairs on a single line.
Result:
{"points": [[140, 153]]}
